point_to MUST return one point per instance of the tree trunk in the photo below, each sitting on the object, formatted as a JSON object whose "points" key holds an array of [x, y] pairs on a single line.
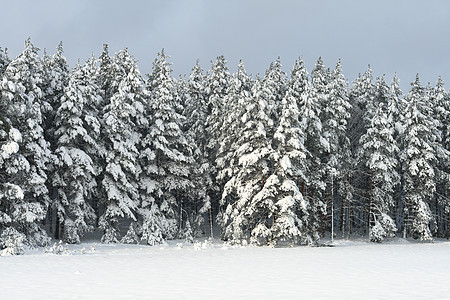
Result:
{"points": [[50, 218], [180, 228], [96, 210], [370, 202], [343, 216], [332, 210], [57, 227]]}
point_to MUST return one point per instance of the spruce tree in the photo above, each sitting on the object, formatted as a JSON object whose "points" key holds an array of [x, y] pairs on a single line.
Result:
{"points": [[419, 158], [310, 110], [249, 216], [120, 124], [196, 112], [379, 149], [75, 174], [168, 153], [217, 83], [336, 114], [11, 195], [440, 114], [292, 221], [27, 168], [55, 80]]}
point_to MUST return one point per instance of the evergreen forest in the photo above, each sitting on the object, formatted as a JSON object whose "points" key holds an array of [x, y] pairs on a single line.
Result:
{"points": [[278, 159]]}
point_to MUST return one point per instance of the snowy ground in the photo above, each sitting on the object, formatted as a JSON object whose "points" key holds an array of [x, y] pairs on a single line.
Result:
{"points": [[350, 270]]}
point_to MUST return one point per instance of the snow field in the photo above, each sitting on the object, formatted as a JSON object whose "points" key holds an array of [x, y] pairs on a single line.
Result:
{"points": [[351, 270]]}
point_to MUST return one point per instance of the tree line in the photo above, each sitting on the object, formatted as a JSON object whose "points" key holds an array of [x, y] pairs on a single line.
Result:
{"points": [[269, 160]]}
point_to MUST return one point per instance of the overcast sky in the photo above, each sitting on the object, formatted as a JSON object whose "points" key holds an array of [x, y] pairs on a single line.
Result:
{"points": [[403, 36]]}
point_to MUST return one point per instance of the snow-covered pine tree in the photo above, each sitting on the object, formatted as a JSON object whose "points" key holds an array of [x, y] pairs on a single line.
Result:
{"points": [[440, 102], [320, 81], [196, 112], [292, 221], [310, 110], [395, 110], [217, 83], [107, 75], [275, 80], [75, 174], [379, 150], [92, 117], [55, 79], [27, 168], [361, 98], [239, 95], [121, 117], [419, 158], [4, 61], [11, 195], [168, 156], [336, 113], [251, 214]]}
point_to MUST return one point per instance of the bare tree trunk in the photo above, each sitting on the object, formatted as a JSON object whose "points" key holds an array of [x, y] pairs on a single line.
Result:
{"points": [[405, 221], [447, 232], [370, 202], [96, 210], [343, 216], [57, 227], [50, 218], [180, 227], [332, 210], [436, 208], [211, 223], [349, 222]]}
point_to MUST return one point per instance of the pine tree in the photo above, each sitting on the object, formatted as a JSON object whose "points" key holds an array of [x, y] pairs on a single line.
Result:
{"points": [[291, 220], [92, 118], [395, 110], [167, 152], [275, 80], [75, 175], [217, 83], [249, 216], [239, 95], [55, 79], [4, 61], [11, 195], [361, 98], [196, 111], [379, 150], [440, 114], [336, 114], [121, 117], [419, 158], [27, 168], [310, 110]]}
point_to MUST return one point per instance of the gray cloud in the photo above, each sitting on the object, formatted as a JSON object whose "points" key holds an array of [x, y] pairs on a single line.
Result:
{"points": [[403, 36]]}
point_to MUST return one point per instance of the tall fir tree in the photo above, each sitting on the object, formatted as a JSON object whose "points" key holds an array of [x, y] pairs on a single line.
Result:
{"points": [[379, 149], [75, 174], [12, 242], [292, 221], [55, 80], [196, 112], [121, 137], [440, 114], [419, 158], [28, 167], [249, 216], [336, 114], [169, 153], [310, 111], [217, 83]]}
